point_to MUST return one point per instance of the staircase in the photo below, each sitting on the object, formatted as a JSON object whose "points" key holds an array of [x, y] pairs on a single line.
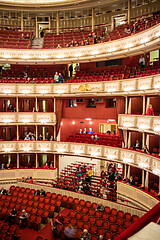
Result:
{"points": [[37, 43]]}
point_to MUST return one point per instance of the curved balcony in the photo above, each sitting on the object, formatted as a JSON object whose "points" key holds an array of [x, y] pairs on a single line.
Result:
{"points": [[126, 87], [144, 41], [31, 118], [133, 158], [140, 123]]}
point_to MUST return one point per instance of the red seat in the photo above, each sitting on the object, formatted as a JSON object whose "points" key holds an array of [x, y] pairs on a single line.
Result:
{"points": [[93, 229]]}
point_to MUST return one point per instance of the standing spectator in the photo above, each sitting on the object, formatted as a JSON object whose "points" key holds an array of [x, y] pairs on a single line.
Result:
{"points": [[30, 180], [145, 149], [47, 136], [137, 145], [150, 110], [56, 77], [40, 138], [60, 78], [142, 62], [71, 70]]}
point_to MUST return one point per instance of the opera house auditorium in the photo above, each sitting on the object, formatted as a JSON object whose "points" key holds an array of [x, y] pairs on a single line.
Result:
{"points": [[79, 119]]}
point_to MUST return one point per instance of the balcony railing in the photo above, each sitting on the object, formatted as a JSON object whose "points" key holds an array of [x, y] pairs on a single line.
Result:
{"points": [[27, 118], [146, 85], [143, 123], [144, 41], [130, 157]]}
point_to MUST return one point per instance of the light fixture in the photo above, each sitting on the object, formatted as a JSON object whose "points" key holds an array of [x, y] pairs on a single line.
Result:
{"points": [[73, 123], [90, 122], [61, 123], [88, 119]]}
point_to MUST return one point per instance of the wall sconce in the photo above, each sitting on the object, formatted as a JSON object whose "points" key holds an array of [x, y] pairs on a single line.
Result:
{"points": [[73, 123]]}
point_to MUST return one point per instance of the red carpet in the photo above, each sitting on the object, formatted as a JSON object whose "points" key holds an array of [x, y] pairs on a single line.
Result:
{"points": [[46, 233]]}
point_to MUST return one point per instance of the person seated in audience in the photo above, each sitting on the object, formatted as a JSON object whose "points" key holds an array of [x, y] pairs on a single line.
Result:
{"points": [[36, 192], [92, 137], [79, 173], [96, 138], [117, 176], [60, 78], [85, 235], [90, 131], [23, 219], [51, 167], [47, 136], [137, 145], [108, 131], [3, 191], [27, 36], [99, 207], [46, 166], [56, 77], [150, 110], [71, 44], [86, 42], [40, 138], [103, 182], [82, 43], [131, 181], [27, 138], [80, 131], [85, 130], [103, 192], [9, 193], [100, 237], [60, 218], [30, 180], [127, 30], [142, 62], [51, 138], [42, 193], [69, 232], [134, 28], [145, 149], [34, 109], [103, 174], [7, 166], [59, 46], [10, 108], [3, 166], [32, 138], [22, 36], [12, 216]]}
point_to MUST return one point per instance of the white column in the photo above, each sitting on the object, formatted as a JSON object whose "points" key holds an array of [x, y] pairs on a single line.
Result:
{"points": [[54, 160], [142, 178], [129, 139], [159, 186], [129, 11], [128, 172], [36, 160], [146, 179], [126, 104], [36, 133], [144, 105], [125, 138], [49, 22], [21, 20], [147, 140], [129, 105], [17, 110], [143, 139], [17, 160], [36, 29], [125, 170], [57, 23], [148, 102], [17, 133], [93, 19], [36, 105]]}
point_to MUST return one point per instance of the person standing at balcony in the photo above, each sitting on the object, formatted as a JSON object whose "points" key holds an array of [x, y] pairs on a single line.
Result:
{"points": [[150, 110], [142, 62], [47, 136], [40, 138], [56, 77], [34, 109], [137, 145], [71, 70], [60, 78]]}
